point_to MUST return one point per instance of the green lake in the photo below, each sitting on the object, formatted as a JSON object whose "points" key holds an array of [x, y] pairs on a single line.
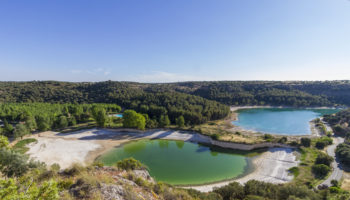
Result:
{"points": [[182, 163], [284, 121]]}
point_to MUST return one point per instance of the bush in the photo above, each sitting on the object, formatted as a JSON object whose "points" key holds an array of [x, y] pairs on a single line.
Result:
{"points": [[306, 142], [13, 163], [215, 137], [4, 142], [320, 170], [320, 144], [129, 164], [283, 140], [334, 189], [268, 137], [55, 167], [232, 191], [323, 158], [74, 170], [335, 183], [294, 171]]}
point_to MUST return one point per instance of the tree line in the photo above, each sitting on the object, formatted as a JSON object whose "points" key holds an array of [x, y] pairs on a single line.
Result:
{"points": [[135, 96], [19, 119]]}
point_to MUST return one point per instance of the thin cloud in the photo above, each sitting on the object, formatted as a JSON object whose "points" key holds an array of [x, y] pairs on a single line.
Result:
{"points": [[159, 76], [95, 72]]}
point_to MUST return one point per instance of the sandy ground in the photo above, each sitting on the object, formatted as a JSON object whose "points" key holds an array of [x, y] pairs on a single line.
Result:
{"points": [[271, 166], [63, 152], [84, 146]]}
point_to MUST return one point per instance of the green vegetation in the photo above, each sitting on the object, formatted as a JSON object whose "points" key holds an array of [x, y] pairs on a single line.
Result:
{"points": [[20, 146], [320, 170], [322, 142], [340, 124], [306, 142], [4, 142], [139, 97], [131, 119], [129, 164], [35, 181], [28, 117], [180, 121]]}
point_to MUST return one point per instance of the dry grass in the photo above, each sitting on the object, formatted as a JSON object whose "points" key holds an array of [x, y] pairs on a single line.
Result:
{"points": [[346, 182], [225, 130]]}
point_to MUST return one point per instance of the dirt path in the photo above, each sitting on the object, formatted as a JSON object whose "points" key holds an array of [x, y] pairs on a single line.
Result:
{"points": [[337, 172]]}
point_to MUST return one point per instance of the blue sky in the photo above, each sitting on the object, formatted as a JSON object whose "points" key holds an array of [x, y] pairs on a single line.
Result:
{"points": [[167, 41]]}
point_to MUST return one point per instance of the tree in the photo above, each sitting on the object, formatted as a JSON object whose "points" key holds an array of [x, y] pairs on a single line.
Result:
{"points": [[4, 142], [323, 158], [100, 116], [132, 119], [164, 121], [31, 123], [21, 130], [320, 170], [12, 163], [320, 144], [62, 122], [306, 142], [180, 121], [8, 128], [43, 123]]}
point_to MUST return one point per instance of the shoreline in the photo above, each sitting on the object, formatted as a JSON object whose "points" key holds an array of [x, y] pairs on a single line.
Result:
{"points": [[261, 171], [86, 145]]}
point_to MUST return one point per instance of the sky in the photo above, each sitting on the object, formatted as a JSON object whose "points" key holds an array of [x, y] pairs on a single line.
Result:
{"points": [[171, 41]]}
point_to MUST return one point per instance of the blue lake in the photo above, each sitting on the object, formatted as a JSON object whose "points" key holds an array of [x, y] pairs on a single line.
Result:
{"points": [[282, 121]]}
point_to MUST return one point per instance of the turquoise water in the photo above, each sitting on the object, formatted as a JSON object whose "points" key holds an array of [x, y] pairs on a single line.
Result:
{"points": [[182, 163], [119, 115], [283, 121]]}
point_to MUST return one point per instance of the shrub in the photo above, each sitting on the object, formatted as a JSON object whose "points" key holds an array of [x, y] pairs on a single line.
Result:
{"points": [[268, 137], [283, 140], [13, 163], [4, 142], [129, 164], [306, 142], [323, 158], [215, 137], [294, 171], [320, 170], [320, 144], [55, 167], [232, 191], [334, 189], [97, 164], [74, 170], [334, 183]]}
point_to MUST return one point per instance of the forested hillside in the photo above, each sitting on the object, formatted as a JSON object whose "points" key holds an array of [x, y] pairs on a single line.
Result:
{"points": [[134, 96], [291, 93]]}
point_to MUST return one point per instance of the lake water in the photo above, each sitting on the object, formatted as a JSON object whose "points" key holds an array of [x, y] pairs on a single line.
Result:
{"points": [[182, 163], [283, 121]]}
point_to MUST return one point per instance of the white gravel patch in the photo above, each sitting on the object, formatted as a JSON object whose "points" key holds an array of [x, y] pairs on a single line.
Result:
{"points": [[63, 152]]}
